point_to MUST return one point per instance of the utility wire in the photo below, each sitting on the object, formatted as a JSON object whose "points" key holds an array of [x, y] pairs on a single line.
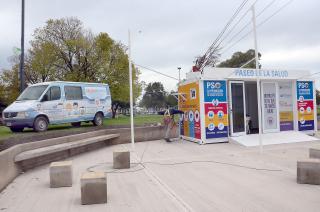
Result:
{"points": [[247, 24], [213, 46], [260, 24], [227, 25], [236, 24], [150, 69]]}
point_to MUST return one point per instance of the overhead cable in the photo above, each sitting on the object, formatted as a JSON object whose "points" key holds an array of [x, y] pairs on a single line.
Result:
{"points": [[260, 24]]}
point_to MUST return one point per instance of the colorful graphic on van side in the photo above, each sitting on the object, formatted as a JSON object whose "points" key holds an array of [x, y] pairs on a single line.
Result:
{"points": [[190, 104], [215, 108], [305, 105]]}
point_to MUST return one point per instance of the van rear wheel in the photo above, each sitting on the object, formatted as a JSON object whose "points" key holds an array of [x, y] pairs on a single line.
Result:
{"points": [[76, 124], [98, 119], [40, 124]]}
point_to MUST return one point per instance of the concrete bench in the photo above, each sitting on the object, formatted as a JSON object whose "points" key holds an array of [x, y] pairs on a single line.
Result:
{"points": [[308, 171], [121, 159], [93, 188], [314, 153], [61, 174], [58, 152]]}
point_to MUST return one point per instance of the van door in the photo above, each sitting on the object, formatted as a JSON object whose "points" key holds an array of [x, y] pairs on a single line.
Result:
{"points": [[52, 105], [73, 103]]}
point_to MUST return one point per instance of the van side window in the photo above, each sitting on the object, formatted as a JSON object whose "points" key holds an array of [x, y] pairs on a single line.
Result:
{"points": [[54, 93], [73, 92]]}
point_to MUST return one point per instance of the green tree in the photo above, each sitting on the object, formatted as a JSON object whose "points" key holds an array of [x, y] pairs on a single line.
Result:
{"points": [[67, 47], [114, 71], [171, 100], [154, 96], [9, 85], [240, 58], [64, 50]]}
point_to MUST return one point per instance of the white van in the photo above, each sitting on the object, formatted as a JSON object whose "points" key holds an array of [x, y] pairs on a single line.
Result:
{"points": [[58, 102]]}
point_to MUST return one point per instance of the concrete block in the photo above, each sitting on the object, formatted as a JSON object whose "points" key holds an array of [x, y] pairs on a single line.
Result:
{"points": [[121, 160], [308, 171], [93, 188], [314, 153], [61, 174]]}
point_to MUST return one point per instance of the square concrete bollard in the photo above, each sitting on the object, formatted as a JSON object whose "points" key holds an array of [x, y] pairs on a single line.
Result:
{"points": [[308, 171], [93, 188], [61, 174], [121, 160], [314, 153]]}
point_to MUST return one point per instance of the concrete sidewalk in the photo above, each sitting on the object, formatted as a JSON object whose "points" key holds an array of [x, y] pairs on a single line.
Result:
{"points": [[178, 176]]}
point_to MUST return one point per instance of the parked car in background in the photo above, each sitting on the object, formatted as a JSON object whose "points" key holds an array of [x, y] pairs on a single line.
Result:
{"points": [[58, 102]]}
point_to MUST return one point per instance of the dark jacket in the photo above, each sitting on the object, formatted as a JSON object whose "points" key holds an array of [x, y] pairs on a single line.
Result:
{"points": [[171, 111]]}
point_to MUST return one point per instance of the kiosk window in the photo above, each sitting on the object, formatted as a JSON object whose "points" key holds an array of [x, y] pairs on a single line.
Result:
{"points": [[193, 93], [54, 93], [73, 92]]}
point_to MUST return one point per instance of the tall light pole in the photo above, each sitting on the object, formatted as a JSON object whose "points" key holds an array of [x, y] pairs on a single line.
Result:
{"points": [[179, 68], [21, 68], [131, 92], [258, 76]]}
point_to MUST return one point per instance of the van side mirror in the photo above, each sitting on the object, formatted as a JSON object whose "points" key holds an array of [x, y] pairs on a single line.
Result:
{"points": [[45, 98]]}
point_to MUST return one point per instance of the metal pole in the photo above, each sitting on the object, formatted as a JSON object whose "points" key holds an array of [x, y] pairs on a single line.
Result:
{"points": [[258, 76], [21, 67], [179, 68], [131, 93]]}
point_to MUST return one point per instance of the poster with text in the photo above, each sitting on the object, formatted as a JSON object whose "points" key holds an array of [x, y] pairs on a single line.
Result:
{"points": [[189, 103], [305, 105], [286, 106], [270, 112], [216, 108]]}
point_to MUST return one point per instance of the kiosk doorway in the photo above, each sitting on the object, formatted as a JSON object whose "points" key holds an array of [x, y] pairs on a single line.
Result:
{"points": [[243, 108], [252, 116]]}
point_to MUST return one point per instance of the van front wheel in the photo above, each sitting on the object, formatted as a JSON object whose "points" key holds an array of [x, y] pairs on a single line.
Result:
{"points": [[98, 119], [40, 124]]}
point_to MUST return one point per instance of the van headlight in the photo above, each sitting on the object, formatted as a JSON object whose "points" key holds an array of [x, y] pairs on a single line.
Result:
{"points": [[22, 115]]}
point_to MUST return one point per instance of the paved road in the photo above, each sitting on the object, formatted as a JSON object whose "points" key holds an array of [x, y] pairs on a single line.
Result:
{"points": [[222, 177]]}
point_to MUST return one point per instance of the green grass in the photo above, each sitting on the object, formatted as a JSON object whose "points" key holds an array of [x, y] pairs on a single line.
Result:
{"points": [[5, 132], [139, 120], [121, 120]]}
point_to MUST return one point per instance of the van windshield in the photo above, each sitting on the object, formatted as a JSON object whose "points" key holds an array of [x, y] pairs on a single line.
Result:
{"points": [[32, 93]]}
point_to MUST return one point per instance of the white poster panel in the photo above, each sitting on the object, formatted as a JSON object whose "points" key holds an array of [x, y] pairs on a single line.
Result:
{"points": [[286, 106], [270, 112]]}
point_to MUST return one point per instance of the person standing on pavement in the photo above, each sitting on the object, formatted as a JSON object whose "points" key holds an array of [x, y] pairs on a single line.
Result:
{"points": [[168, 120]]}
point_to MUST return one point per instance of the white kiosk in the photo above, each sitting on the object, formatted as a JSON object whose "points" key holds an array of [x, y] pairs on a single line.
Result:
{"points": [[222, 104]]}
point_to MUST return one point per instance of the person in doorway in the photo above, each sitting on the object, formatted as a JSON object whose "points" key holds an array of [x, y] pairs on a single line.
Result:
{"points": [[168, 120], [248, 124]]}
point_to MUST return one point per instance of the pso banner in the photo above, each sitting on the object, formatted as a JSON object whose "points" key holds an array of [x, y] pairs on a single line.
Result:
{"points": [[215, 107], [305, 105]]}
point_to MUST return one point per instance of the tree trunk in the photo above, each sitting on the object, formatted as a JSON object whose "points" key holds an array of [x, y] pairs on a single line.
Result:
{"points": [[114, 110]]}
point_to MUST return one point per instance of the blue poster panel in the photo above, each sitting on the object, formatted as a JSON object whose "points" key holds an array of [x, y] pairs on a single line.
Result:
{"points": [[215, 106], [305, 105]]}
